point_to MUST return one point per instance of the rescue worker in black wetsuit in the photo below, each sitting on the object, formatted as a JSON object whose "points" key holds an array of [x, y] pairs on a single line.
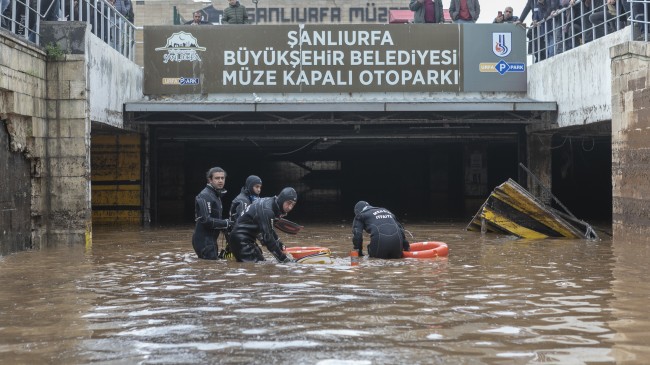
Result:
{"points": [[208, 209], [257, 221], [249, 193], [387, 239]]}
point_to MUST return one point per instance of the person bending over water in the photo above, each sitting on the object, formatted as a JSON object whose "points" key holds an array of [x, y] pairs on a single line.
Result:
{"points": [[257, 221], [387, 239]]}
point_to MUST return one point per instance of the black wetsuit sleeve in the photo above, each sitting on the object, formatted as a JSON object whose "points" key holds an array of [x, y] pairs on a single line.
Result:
{"points": [[357, 233], [233, 210], [268, 236], [203, 215], [237, 209]]}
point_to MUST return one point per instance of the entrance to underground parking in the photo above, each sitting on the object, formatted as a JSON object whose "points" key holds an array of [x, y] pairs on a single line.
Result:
{"points": [[424, 126], [421, 164]]}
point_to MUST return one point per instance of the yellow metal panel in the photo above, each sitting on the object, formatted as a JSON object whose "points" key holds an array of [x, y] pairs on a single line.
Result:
{"points": [[116, 195], [116, 169], [115, 158], [116, 216], [529, 207], [510, 226]]}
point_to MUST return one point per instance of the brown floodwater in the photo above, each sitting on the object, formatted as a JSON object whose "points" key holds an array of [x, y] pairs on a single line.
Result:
{"points": [[140, 296]]}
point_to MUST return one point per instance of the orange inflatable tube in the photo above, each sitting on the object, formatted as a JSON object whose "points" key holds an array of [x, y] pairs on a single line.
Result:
{"points": [[300, 252], [427, 250]]}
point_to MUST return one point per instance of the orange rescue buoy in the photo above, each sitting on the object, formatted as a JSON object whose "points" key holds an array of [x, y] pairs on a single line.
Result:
{"points": [[300, 252], [427, 250]]}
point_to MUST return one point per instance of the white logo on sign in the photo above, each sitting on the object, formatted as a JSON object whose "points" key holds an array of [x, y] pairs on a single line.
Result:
{"points": [[501, 44], [181, 46]]}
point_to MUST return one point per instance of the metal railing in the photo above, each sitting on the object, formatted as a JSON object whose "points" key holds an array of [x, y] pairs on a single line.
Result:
{"points": [[23, 17], [640, 19], [575, 25]]}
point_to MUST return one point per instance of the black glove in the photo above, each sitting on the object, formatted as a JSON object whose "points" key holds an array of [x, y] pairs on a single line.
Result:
{"points": [[228, 226], [287, 260]]}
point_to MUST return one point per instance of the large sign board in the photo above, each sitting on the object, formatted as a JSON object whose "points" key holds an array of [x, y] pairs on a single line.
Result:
{"points": [[334, 58]]}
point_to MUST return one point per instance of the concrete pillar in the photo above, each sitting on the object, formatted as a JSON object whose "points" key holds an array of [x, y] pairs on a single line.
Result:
{"points": [[631, 142], [65, 186], [540, 164]]}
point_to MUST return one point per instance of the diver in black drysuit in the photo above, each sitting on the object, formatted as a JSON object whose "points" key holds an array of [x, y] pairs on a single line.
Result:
{"points": [[387, 239], [245, 198], [257, 220], [209, 223]]}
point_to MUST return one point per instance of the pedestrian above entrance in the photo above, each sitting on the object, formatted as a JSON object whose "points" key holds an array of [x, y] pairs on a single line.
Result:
{"points": [[426, 11], [249, 193], [464, 11], [208, 209], [257, 223], [506, 16], [235, 13], [197, 19], [387, 239]]}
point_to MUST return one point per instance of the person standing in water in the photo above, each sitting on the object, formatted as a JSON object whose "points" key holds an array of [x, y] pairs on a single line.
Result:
{"points": [[387, 239], [257, 221], [249, 193], [207, 215]]}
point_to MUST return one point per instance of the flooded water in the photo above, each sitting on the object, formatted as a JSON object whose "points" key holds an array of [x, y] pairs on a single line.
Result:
{"points": [[142, 297]]}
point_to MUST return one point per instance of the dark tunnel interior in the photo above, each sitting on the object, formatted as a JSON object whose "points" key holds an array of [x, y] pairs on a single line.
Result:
{"points": [[421, 175], [416, 180]]}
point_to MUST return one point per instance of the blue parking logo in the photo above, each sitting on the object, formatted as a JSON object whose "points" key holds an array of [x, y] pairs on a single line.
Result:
{"points": [[502, 67], [189, 81]]}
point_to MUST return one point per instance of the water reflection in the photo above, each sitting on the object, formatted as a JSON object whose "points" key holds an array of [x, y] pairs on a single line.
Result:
{"points": [[141, 296]]}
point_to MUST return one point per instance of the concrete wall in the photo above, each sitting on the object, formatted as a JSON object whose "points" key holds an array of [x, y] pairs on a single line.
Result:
{"points": [[631, 142], [22, 116], [579, 80], [112, 81], [22, 106], [47, 108], [161, 12]]}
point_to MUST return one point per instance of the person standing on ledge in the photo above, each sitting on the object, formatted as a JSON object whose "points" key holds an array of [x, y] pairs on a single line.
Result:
{"points": [[235, 13], [426, 11], [197, 19], [387, 239], [464, 11], [506, 16], [208, 209]]}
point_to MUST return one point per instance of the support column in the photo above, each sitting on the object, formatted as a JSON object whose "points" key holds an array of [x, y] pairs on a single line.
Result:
{"points": [[65, 174], [540, 163], [631, 142]]}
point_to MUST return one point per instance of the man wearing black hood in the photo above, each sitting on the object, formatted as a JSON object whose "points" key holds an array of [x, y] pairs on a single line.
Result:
{"points": [[249, 193], [387, 239], [208, 209], [257, 220]]}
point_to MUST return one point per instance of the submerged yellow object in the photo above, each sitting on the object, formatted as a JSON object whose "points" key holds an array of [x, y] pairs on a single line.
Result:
{"points": [[511, 209]]}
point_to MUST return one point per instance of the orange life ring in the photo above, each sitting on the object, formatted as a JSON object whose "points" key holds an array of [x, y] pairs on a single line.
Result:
{"points": [[300, 252], [427, 250]]}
